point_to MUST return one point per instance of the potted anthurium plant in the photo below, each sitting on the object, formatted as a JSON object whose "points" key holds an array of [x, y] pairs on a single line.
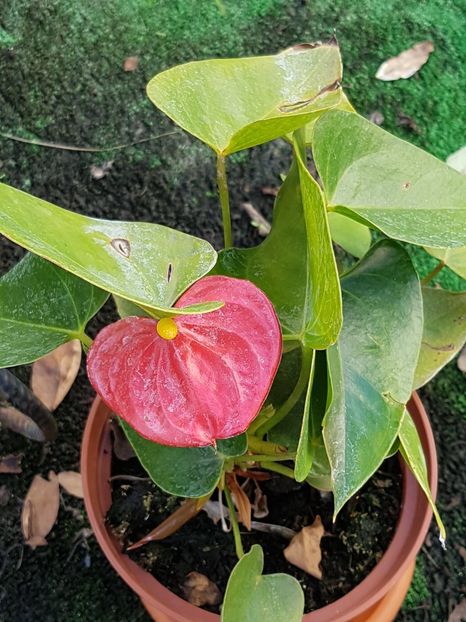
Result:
{"points": [[196, 369]]}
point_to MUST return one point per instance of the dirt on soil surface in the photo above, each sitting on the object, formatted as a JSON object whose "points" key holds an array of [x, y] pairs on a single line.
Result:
{"points": [[350, 548], [62, 80]]}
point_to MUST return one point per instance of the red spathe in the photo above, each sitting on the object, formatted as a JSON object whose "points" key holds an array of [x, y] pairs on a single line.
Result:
{"points": [[207, 383]]}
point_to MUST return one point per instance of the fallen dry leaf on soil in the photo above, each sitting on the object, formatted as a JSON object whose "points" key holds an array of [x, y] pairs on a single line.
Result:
{"points": [[200, 591], [304, 549], [462, 361], [131, 63], [99, 172], [405, 64], [40, 509], [10, 464], [270, 191], [4, 495], [54, 374], [459, 613], [72, 483], [257, 220]]}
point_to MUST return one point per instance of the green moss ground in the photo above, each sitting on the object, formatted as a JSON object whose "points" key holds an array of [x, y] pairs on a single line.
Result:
{"points": [[61, 80]]}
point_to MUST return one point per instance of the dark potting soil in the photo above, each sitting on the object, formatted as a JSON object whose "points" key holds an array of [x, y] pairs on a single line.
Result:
{"points": [[350, 549]]}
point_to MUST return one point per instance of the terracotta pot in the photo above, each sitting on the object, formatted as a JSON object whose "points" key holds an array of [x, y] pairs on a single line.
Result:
{"points": [[376, 599]]}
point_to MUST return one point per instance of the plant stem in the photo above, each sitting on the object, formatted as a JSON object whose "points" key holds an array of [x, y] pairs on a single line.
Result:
{"points": [[224, 200], [234, 524], [428, 278], [295, 394], [265, 458], [264, 447], [279, 468], [86, 341]]}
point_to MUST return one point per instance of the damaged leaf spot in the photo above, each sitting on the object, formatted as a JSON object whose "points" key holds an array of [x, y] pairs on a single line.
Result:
{"points": [[334, 86], [446, 348], [169, 272], [121, 246], [406, 185]]}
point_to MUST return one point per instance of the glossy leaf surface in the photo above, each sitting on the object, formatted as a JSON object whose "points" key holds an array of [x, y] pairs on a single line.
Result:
{"points": [[184, 471], [233, 104], [146, 263], [372, 366], [42, 307], [444, 331], [352, 236], [206, 381], [295, 265], [403, 191], [255, 597], [413, 454], [454, 258]]}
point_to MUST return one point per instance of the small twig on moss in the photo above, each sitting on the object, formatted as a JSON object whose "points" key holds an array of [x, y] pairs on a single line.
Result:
{"points": [[428, 278], [51, 145]]}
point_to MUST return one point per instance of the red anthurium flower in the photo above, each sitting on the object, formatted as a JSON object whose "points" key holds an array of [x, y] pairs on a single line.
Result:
{"points": [[193, 379]]}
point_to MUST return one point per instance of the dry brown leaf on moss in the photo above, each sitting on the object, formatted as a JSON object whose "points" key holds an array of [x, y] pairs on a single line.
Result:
{"points": [[131, 63], [53, 375], [40, 509], [199, 590], [462, 360], [72, 483], [10, 464], [459, 612], [405, 64], [304, 549]]}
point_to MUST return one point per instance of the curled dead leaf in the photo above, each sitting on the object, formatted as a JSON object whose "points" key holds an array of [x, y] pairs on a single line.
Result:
{"points": [[199, 590], [53, 375], [241, 501], [405, 64], [10, 464], [131, 63], [260, 508], [121, 445], [72, 483], [40, 509], [304, 549]]}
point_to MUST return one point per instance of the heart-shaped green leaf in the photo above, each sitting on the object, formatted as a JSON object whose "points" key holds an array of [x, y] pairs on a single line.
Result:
{"points": [[352, 236], [149, 264], [299, 276], [233, 104], [444, 331], [372, 365], [454, 258], [41, 307], [371, 175], [253, 597], [184, 471], [413, 455]]}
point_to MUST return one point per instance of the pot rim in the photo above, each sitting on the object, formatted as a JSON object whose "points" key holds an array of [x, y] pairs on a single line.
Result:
{"points": [[412, 527]]}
